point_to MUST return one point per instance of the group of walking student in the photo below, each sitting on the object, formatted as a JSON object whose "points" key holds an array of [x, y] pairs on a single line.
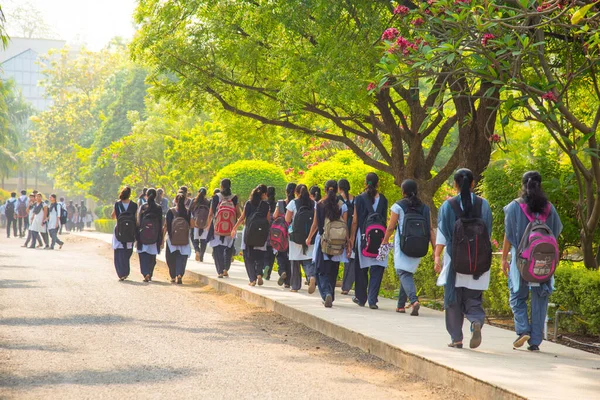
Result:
{"points": [[314, 230], [42, 219]]}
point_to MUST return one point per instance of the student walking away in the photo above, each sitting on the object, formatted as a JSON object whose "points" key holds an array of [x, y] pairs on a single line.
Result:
{"points": [[63, 214], [125, 232], [532, 227], [149, 234], [143, 198], [410, 219], [279, 237], [368, 231], [300, 216], [29, 210], [37, 224], [269, 261], [10, 212], [21, 213], [71, 210], [463, 236], [199, 211], [257, 221], [349, 267], [83, 211], [331, 244], [54, 222], [223, 214], [178, 247], [162, 201]]}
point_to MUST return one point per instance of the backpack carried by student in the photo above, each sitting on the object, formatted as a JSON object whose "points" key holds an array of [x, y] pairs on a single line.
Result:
{"points": [[415, 236], [63, 214], [257, 229], [372, 234], [301, 224], [538, 253], [21, 208], [278, 234], [180, 230], [9, 211], [150, 229], [126, 226], [471, 245], [334, 238], [226, 216], [201, 215]]}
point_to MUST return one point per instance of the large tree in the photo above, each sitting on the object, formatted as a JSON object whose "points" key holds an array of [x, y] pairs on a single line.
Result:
{"points": [[543, 57], [306, 66]]}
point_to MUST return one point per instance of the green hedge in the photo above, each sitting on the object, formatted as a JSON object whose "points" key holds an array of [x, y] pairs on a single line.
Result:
{"points": [[245, 175], [105, 225]]}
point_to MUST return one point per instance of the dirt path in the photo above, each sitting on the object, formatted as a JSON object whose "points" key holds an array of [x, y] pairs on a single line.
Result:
{"points": [[69, 329]]}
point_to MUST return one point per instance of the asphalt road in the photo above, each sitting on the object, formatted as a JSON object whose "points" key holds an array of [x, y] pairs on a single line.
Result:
{"points": [[70, 330]]}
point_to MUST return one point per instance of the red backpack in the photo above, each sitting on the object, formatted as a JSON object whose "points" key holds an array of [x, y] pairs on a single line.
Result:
{"points": [[279, 234], [226, 216]]}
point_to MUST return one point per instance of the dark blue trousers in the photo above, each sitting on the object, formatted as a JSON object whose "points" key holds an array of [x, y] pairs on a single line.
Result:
{"points": [[368, 282], [122, 264], [147, 263], [176, 262]]}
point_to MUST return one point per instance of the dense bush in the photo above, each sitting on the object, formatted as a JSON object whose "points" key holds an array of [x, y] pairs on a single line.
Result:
{"points": [[4, 195], [245, 175], [347, 165], [103, 212], [105, 225]]}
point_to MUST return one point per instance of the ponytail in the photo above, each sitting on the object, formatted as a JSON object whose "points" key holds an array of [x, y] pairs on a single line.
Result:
{"points": [[532, 192], [463, 178], [330, 204], [344, 186], [315, 191], [303, 196], [290, 190], [410, 192], [271, 200], [151, 193], [371, 183], [226, 187], [200, 197], [180, 204], [255, 196]]}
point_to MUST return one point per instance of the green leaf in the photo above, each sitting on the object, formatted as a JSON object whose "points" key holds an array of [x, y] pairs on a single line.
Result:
{"points": [[580, 14]]}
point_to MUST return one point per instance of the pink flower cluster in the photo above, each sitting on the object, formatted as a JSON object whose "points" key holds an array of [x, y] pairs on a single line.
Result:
{"points": [[486, 38], [549, 96], [418, 22], [390, 34], [465, 2], [289, 171], [401, 10], [543, 7], [495, 138], [402, 44], [371, 86]]}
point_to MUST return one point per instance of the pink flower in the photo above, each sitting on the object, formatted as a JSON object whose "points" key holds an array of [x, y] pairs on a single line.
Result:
{"points": [[543, 7], [495, 138], [300, 172], [401, 10], [390, 34], [371, 86], [418, 22], [462, 2], [549, 96], [486, 38]]}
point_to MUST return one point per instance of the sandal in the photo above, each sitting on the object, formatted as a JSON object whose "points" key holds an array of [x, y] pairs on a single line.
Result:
{"points": [[253, 283], [415, 309], [456, 345], [401, 310], [147, 278]]}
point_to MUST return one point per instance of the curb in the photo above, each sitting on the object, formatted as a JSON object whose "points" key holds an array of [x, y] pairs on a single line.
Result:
{"points": [[417, 365]]}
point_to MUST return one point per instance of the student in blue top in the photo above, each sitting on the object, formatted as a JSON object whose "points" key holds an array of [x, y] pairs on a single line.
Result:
{"points": [[515, 223], [366, 287], [463, 294], [123, 251], [405, 265], [327, 266], [147, 252]]}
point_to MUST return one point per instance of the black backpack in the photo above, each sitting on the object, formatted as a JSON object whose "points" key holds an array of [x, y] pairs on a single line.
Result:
{"points": [[257, 229], [471, 245], [126, 226], [301, 224], [373, 233], [415, 236], [63, 214], [9, 211], [350, 205]]}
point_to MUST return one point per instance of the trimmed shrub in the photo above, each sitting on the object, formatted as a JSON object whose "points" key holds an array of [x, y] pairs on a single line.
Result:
{"points": [[105, 225], [245, 175], [4, 195]]}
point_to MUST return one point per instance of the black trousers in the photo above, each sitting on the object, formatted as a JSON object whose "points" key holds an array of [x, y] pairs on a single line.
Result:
{"points": [[176, 262], [269, 262], [122, 262], [368, 282], [222, 256], [284, 265], [253, 259], [9, 221]]}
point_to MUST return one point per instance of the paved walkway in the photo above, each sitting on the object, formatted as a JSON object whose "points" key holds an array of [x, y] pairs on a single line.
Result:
{"points": [[419, 343]]}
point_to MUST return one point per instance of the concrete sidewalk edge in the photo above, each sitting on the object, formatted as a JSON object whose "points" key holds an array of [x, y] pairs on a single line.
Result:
{"points": [[412, 363]]}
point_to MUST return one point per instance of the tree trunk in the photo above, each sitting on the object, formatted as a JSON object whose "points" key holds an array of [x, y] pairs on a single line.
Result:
{"points": [[587, 248]]}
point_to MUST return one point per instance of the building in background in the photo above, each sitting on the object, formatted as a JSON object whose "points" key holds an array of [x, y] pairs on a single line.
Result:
{"points": [[19, 62]]}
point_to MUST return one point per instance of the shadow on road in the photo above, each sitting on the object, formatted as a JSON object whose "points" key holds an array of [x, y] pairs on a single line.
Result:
{"points": [[17, 283], [79, 319]]}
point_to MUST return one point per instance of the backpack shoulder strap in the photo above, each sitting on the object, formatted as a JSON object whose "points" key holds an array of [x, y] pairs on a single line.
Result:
{"points": [[478, 207], [281, 206], [455, 204]]}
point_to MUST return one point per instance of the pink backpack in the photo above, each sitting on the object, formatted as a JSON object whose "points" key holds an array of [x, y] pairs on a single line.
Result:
{"points": [[226, 216], [279, 234], [537, 254]]}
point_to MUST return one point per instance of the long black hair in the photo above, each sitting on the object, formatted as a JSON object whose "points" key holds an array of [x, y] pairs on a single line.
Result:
{"points": [[226, 187], [180, 204], [255, 196], [271, 200], [152, 200], [290, 191], [201, 196], [344, 186], [463, 178], [371, 183], [532, 192], [144, 192], [304, 199], [124, 193], [315, 191], [410, 192], [330, 204]]}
